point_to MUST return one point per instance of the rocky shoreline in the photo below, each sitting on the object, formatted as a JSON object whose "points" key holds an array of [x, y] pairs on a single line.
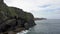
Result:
{"points": [[13, 20]]}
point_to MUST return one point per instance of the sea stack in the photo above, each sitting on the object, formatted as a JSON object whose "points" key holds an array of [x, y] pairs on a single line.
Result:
{"points": [[14, 19]]}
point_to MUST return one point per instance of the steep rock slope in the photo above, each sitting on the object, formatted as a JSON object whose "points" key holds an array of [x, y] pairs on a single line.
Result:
{"points": [[12, 18]]}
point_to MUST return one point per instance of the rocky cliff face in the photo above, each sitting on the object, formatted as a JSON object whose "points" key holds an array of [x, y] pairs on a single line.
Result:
{"points": [[12, 18]]}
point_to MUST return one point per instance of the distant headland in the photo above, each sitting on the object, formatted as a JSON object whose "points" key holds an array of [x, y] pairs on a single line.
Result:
{"points": [[40, 18]]}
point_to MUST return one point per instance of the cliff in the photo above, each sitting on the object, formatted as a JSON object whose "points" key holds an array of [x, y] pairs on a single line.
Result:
{"points": [[14, 19]]}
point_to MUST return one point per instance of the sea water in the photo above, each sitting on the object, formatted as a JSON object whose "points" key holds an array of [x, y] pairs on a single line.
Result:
{"points": [[49, 26]]}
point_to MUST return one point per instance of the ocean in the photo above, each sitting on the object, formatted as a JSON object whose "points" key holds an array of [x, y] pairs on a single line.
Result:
{"points": [[49, 26]]}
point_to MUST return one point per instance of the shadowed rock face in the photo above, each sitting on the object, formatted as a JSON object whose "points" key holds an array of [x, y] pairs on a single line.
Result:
{"points": [[12, 18], [1, 1]]}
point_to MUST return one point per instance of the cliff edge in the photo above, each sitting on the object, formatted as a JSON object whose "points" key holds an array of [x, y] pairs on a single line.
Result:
{"points": [[14, 19]]}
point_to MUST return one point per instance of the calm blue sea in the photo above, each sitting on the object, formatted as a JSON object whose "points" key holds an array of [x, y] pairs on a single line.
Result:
{"points": [[49, 26]]}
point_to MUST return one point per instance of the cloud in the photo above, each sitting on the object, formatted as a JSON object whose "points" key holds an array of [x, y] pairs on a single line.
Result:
{"points": [[39, 8], [44, 6], [28, 5]]}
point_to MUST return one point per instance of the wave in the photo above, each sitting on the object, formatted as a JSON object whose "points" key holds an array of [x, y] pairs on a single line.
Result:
{"points": [[23, 32]]}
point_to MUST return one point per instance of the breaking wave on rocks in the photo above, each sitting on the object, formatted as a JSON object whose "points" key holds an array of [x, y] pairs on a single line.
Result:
{"points": [[24, 31]]}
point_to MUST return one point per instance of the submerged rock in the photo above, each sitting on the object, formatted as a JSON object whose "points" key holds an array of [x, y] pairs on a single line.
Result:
{"points": [[12, 18]]}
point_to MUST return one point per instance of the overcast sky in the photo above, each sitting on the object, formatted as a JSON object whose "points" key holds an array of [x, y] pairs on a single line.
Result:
{"points": [[39, 8]]}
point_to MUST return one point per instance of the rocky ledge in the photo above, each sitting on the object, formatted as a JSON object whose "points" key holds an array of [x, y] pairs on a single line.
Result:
{"points": [[14, 19]]}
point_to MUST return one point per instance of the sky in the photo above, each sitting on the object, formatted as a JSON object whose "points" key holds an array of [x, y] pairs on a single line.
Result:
{"points": [[39, 8]]}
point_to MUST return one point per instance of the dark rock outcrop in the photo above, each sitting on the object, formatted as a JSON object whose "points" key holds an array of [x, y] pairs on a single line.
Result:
{"points": [[12, 18]]}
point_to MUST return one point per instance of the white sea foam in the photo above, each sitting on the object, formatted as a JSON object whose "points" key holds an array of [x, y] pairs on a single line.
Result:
{"points": [[23, 32]]}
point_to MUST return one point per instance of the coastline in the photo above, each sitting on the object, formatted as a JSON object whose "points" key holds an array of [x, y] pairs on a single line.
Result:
{"points": [[13, 19]]}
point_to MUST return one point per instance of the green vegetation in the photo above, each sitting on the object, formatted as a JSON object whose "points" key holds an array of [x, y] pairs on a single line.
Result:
{"points": [[12, 17]]}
